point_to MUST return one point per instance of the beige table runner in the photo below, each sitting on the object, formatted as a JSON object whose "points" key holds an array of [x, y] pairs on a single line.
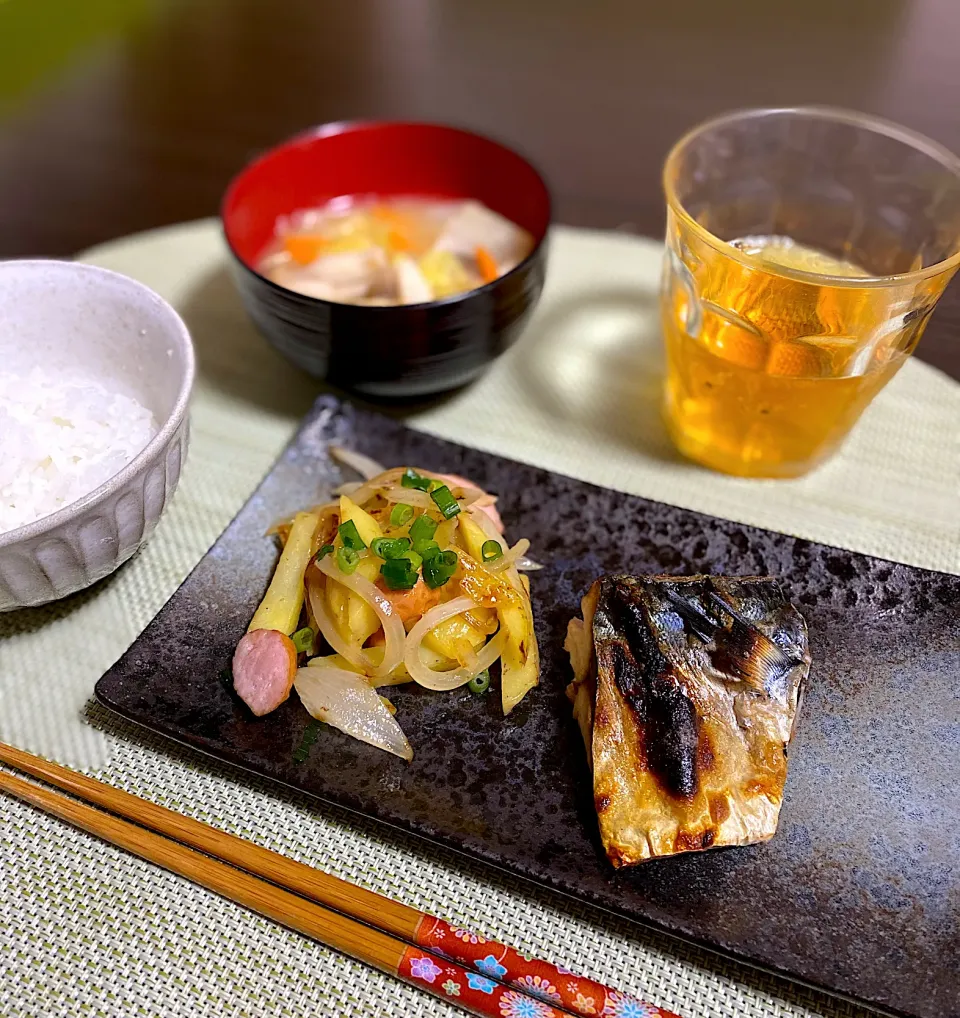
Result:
{"points": [[87, 930]]}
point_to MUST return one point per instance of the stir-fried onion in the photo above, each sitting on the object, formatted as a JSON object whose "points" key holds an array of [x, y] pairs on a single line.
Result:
{"points": [[508, 558], [411, 496], [347, 488], [387, 484], [340, 686], [386, 479], [422, 499], [364, 465], [453, 677], [347, 701], [513, 557], [527, 565], [392, 626]]}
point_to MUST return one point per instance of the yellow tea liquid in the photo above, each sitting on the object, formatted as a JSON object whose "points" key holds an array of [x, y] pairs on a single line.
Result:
{"points": [[766, 375]]}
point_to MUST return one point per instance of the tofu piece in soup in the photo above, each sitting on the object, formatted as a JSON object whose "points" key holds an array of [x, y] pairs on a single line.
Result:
{"points": [[473, 225]]}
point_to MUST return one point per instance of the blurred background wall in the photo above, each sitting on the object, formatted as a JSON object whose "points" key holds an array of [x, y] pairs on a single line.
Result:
{"points": [[117, 115]]}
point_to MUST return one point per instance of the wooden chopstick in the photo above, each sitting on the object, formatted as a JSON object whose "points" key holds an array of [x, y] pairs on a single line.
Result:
{"points": [[374, 947], [425, 943]]}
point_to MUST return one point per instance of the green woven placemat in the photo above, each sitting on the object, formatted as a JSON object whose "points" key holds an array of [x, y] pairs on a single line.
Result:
{"points": [[90, 931]]}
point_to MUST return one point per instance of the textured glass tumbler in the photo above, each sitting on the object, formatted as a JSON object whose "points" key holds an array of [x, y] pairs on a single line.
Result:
{"points": [[805, 251]]}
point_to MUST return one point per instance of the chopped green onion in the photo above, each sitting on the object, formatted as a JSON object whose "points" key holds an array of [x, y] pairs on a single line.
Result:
{"points": [[324, 551], [480, 683], [434, 484], [413, 558], [399, 574], [422, 529], [400, 514], [427, 550], [351, 536], [434, 578], [303, 640], [445, 502], [390, 547], [347, 559], [438, 569], [411, 479], [491, 550]]}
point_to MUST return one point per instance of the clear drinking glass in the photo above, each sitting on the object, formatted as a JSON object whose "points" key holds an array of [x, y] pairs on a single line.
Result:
{"points": [[806, 249]]}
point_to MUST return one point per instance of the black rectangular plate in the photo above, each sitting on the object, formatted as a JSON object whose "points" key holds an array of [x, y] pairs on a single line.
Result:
{"points": [[858, 893]]}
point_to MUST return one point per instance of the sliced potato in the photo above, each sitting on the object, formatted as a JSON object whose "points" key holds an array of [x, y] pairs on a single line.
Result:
{"points": [[520, 671], [361, 618], [353, 617], [472, 537], [520, 659], [446, 638], [338, 599], [366, 525], [283, 601]]}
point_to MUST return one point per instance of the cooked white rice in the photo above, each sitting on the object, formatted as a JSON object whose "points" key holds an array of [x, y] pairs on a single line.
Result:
{"points": [[59, 440]]}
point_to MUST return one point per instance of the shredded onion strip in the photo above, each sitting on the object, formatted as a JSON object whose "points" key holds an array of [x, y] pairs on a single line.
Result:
{"points": [[527, 565], [326, 524], [422, 499], [347, 488], [387, 484], [518, 560], [364, 465], [278, 525], [487, 525], [467, 497], [392, 626], [410, 496], [324, 513], [375, 485], [508, 558], [453, 677]]}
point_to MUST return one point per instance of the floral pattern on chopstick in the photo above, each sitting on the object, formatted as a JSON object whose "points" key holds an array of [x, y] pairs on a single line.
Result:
{"points": [[469, 990], [550, 984]]}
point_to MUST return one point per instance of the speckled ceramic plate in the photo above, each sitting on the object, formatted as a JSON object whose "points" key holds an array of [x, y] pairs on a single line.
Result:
{"points": [[859, 892]]}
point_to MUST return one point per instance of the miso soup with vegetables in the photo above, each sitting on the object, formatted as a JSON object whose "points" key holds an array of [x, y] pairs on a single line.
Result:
{"points": [[393, 251]]}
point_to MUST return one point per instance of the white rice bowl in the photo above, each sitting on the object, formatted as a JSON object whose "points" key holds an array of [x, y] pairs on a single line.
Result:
{"points": [[60, 439], [96, 372]]}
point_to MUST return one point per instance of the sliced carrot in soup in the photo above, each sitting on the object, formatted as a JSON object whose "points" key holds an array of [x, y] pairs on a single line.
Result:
{"points": [[304, 248], [486, 264]]}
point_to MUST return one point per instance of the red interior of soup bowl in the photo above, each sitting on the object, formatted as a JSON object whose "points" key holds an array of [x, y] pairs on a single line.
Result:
{"points": [[384, 159]]}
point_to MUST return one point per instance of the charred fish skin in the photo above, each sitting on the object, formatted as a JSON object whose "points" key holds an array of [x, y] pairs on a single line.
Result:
{"points": [[697, 685]]}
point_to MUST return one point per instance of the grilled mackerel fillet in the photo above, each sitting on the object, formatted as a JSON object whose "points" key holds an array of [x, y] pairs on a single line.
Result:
{"points": [[686, 690]]}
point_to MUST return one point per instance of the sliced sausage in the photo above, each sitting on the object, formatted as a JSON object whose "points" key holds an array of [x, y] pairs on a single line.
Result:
{"points": [[264, 667]]}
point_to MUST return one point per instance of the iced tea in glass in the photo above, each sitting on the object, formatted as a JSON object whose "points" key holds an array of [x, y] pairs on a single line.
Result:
{"points": [[806, 249]]}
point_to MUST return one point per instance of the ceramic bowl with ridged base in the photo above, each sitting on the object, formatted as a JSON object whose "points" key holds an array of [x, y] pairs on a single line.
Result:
{"points": [[77, 321]]}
